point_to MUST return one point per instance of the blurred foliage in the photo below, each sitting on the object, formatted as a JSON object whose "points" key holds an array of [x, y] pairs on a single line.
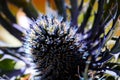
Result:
{"points": [[9, 62], [16, 15]]}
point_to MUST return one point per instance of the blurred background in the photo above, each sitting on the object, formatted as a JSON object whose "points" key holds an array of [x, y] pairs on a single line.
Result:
{"points": [[15, 19]]}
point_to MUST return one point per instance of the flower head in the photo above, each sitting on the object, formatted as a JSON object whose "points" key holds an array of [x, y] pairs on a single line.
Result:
{"points": [[55, 48], [64, 52], [60, 52]]}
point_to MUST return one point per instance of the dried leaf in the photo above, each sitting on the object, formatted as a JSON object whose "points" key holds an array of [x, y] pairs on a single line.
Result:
{"points": [[14, 9], [40, 5]]}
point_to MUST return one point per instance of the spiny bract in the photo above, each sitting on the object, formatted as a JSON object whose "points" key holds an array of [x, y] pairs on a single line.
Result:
{"points": [[55, 47]]}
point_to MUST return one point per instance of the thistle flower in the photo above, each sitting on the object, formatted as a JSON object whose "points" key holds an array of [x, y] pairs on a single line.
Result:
{"points": [[64, 52], [55, 47], [59, 52]]}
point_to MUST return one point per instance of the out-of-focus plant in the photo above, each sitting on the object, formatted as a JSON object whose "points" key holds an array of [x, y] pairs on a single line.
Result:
{"points": [[96, 24]]}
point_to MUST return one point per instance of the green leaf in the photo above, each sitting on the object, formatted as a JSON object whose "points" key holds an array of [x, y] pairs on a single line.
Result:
{"points": [[1, 55], [80, 18], [7, 64], [110, 78]]}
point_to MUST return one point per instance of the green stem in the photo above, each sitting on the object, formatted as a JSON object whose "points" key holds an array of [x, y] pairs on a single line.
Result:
{"points": [[86, 68]]}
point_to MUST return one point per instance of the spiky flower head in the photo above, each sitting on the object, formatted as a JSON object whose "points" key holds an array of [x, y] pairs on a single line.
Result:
{"points": [[60, 52], [55, 47]]}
